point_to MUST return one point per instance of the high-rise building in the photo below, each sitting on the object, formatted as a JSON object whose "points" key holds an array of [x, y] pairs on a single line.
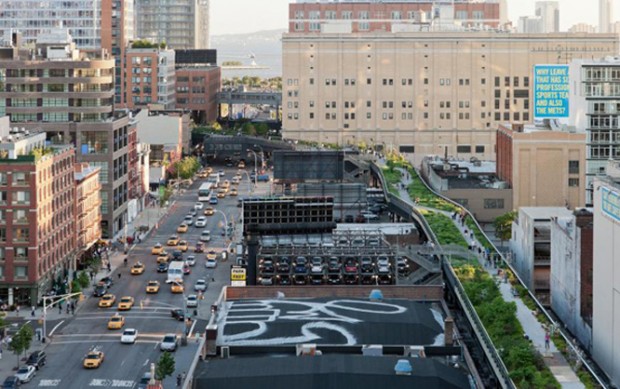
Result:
{"points": [[70, 96], [422, 91], [37, 214], [529, 25], [606, 274], [150, 77], [595, 110], [549, 13], [198, 80], [605, 13], [181, 24]]}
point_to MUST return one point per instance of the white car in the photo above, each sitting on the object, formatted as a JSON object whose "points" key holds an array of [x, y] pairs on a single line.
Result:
{"points": [[211, 264], [201, 285], [190, 260], [192, 301], [199, 206], [189, 220], [129, 336], [26, 373], [205, 236], [168, 343], [201, 221]]}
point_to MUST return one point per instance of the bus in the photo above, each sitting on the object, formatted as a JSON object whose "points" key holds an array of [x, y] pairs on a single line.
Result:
{"points": [[205, 191], [175, 272]]}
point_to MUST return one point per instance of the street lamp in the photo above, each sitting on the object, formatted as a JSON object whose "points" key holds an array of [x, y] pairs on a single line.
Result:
{"points": [[45, 306], [225, 220], [255, 162], [262, 154]]}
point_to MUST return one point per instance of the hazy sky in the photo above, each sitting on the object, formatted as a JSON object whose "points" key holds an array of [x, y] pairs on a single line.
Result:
{"points": [[239, 16]]}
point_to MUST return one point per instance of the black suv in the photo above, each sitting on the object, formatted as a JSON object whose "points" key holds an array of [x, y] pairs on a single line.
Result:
{"points": [[37, 359], [100, 290]]}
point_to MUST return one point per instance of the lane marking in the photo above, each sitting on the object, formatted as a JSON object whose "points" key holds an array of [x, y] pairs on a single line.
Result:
{"points": [[145, 362], [54, 329], [191, 329], [112, 383], [44, 383]]}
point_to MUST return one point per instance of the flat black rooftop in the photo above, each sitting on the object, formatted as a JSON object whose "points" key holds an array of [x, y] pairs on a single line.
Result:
{"points": [[326, 371], [284, 321]]}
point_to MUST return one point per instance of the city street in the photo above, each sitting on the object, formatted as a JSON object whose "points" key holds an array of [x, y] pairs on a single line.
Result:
{"points": [[125, 364]]}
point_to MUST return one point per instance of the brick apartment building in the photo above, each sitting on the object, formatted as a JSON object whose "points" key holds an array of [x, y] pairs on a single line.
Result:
{"points": [[87, 207], [37, 215]]}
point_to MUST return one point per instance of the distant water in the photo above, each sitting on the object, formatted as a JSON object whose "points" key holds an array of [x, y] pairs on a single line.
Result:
{"points": [[266, 46]]}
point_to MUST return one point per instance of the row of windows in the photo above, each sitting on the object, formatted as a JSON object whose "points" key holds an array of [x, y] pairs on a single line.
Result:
{"points": [[381, 15]]}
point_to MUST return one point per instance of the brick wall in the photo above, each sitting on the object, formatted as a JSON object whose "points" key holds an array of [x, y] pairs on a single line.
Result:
{"points": [[426, 293], [584, 223]]}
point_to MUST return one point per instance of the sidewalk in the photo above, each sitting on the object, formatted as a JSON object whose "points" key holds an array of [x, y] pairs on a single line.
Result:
{"points": [[533, 329]]}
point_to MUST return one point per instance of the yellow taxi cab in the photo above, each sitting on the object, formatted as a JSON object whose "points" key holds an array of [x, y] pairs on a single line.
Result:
{"points": [[107, 300], [233, 192], [209, 169], [182, 228], [221, 193], [116, 322], [183, 246], [157, 249], [137, 268], [93, 359], [173, 240], [163, 258], [211, 255], [209, 211], [152, 287], [226, 184], [176, 287], [125, 303]]}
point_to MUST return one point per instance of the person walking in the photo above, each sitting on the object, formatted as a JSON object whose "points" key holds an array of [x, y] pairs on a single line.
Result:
{"points": [[179, 380], [32, 311], [547, 340], [119, 275]]}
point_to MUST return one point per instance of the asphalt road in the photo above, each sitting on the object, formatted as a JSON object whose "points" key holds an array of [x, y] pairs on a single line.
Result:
{"points": [[125, 364]]}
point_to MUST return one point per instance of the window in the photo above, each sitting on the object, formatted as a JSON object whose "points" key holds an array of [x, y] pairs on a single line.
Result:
{"points": [[497, 81], [526, 82], [94, 142], [2, 254], [493, 203], [3, 179], [21, 198], [3, 234], [21, 235], [21, 252], [479, 149], [573, 167], [369, 81], [21, 271], [311, 115], [368, 115], [3, 197], [463, 149], [20, 216], [573, 182]]}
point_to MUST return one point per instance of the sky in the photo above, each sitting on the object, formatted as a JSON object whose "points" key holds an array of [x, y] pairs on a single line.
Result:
{"points": [[244, 16]]}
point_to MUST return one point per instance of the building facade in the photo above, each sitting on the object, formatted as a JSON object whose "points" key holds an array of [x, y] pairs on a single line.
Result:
{"points": [[415, 91], [150, 78], [545, 168], [37, 215], [531, 247], [595, 110], [606, 274], [571, 273], [70, 97], [87, 207], [181, 24], [605, 13], [372, 16], [196, 91]]}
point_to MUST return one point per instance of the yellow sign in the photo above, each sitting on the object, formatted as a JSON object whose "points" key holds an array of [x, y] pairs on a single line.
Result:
{"points": [[237, 274]]}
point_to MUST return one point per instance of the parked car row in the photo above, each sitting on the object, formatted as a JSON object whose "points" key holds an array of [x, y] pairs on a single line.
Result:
{"points": [[325, 279]]}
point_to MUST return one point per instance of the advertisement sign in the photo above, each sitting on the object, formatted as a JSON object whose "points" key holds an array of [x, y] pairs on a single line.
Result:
{"points": [[551, 91], [610, 203], [237, 275]]}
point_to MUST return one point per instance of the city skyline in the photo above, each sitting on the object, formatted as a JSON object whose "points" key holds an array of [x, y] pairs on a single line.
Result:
{"points": [[276, 14]]}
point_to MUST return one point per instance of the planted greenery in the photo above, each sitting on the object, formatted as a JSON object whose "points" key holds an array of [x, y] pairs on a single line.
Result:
{"points": [[392, 178], [444, 228], [524, 363], [420, 193], [480, 236]]}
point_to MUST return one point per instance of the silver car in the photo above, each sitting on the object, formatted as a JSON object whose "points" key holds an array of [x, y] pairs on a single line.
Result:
{"points": [[168, 343], [201, 285]]}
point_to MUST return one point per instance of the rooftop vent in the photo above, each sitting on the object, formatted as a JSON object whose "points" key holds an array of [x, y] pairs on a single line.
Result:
{"points": [[403, 367]]}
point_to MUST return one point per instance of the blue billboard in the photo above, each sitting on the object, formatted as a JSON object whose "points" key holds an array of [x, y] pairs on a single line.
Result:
{"points": [[551, 90]]}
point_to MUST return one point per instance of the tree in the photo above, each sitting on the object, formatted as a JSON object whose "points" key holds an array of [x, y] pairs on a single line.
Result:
{"points": [[261, 129], [83, 279], [503, 226], [248, 129], [164, 366], [21, 341]]}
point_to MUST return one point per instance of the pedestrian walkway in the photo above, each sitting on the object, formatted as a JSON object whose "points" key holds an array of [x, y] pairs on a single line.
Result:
{"points": [[537, 334]]}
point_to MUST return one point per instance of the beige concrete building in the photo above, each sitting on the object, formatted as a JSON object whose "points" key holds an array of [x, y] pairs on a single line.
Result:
{"points": [[419, 91], [545, 168]]}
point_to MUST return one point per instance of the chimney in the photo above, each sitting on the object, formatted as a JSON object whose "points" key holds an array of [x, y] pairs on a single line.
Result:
{"points": [[448, 331]]}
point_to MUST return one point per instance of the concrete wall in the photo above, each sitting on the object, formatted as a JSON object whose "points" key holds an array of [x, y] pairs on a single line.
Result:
{"points": [[476, 201], [426, 293]]}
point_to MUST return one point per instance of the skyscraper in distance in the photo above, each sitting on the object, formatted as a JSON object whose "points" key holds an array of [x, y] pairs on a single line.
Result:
{"points": [[549, 13], [605, 13]]}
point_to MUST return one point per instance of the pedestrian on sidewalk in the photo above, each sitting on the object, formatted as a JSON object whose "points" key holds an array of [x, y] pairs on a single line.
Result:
{"points": [[72, 309], [0, 352], [59, 308], [547, 340], [32, 311], [119, 275], [109, 267], [179, 380]]}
